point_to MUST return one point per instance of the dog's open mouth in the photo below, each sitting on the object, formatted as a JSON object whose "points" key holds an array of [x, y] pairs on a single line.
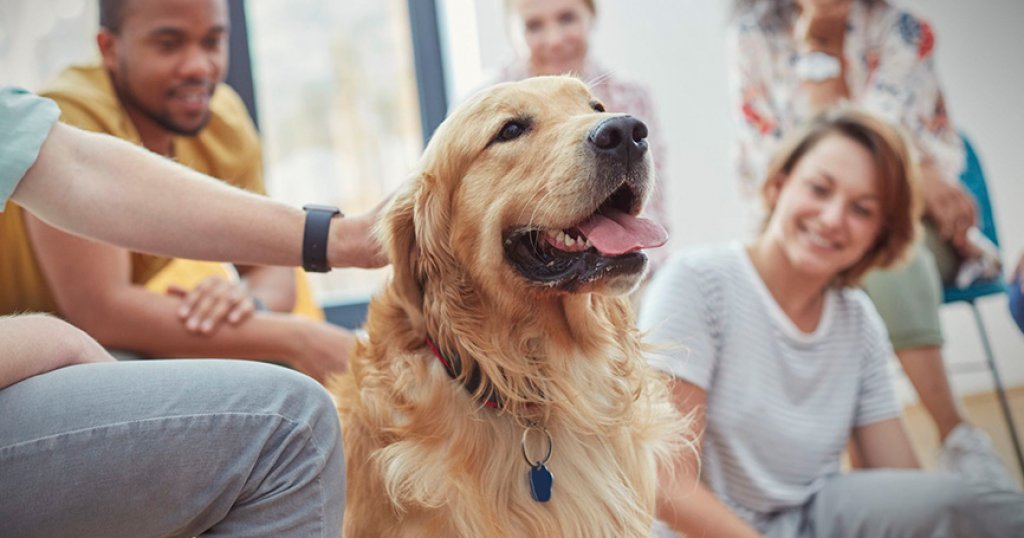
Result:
{"points": [[606, 243]]}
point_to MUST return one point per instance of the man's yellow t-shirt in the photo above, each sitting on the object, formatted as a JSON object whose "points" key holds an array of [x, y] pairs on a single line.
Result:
{"points": [[227, 148]]}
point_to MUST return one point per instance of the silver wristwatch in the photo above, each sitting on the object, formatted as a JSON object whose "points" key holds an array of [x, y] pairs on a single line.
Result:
{"points": [[817, 66]]}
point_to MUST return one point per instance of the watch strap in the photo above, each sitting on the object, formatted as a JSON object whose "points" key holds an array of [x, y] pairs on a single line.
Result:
{"points": [[315, 236]]}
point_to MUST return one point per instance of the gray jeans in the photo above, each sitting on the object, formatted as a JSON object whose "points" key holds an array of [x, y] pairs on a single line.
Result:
{"points": [[170, 448], [895, 504], [902, 503]]}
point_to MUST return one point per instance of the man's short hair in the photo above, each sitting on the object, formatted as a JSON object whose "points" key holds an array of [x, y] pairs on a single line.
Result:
{"points": [[112, 14]]}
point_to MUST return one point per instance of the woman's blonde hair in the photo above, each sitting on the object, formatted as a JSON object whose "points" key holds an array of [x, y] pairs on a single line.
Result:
{"points": [[897, 182], [591, 5]]}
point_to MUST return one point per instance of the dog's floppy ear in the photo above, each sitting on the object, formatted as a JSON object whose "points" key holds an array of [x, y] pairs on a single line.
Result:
{"points": [[398, 232], [415, 230]]}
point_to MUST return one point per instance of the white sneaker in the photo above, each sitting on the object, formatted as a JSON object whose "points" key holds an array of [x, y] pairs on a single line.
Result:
{"points": [[985, 266], [968, 452]]}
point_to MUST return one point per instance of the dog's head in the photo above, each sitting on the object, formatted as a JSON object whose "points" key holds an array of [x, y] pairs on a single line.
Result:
{"points": [[528, 190]]}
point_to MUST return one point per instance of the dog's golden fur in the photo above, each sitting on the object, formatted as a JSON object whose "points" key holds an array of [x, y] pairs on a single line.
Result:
{"points": [[424, 457]]}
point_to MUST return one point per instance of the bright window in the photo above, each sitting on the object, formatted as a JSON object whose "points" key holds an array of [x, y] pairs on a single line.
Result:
{"points": [[338, 109]]}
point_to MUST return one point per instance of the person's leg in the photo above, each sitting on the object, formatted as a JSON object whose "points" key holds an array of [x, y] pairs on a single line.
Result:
{"points": [[908, 299], [897, 503], [926, 371], [170, 448]]}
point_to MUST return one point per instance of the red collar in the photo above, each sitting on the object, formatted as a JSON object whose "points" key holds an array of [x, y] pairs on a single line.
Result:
{"points": [[472, 381]]}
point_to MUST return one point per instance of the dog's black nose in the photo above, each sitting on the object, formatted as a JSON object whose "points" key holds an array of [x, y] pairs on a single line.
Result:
{"points": [[624, 137]]}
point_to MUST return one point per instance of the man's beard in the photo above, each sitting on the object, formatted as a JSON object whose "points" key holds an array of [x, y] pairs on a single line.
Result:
{"points": [[127, 98]]}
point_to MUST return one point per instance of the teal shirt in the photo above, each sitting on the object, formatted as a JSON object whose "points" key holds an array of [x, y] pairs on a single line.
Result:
{"points": [[25, 122]]}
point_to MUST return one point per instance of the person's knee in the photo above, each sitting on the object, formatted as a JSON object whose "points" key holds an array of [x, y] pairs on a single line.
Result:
{"points": [[982, 509], [908, 299], [301, 398], [265, 389]]}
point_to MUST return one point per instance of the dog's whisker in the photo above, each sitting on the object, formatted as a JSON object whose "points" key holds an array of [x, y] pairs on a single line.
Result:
{"points": [[598, 80]]}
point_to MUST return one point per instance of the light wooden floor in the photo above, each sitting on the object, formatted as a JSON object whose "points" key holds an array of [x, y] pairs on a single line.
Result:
{"points": [[984, 411]]}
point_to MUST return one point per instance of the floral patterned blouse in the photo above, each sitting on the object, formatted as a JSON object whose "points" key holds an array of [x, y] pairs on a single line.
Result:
{"points": [[620, 95], [890, 71]]}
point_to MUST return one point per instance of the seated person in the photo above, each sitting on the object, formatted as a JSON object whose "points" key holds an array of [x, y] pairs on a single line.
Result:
{"points": [[781, 361], [556, 35], [92, 447], [160, 85], [795, 58]]}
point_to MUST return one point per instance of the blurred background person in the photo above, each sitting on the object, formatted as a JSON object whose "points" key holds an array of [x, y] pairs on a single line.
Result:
{"points": [[795, 58], [160, 85], [87, 443], [552, 38], [783, 362]]}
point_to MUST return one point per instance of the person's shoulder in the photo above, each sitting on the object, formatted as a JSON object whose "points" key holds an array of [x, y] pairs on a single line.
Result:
{"points": [[85, 96], [912, 30], [81, 82]]}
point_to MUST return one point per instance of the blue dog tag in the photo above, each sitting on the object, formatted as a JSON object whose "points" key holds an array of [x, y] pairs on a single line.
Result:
{"points": [[540, 483]]}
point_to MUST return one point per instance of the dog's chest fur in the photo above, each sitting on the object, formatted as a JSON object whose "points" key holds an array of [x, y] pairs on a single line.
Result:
{"points": [[424, 458]]}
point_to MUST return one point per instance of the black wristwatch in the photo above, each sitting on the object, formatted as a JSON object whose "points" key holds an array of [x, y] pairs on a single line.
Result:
{"points": [[315, 236]]}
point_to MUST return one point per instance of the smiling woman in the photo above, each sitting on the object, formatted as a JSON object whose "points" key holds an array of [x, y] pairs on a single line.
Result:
{"points": [[783, 362], [853, 178]]}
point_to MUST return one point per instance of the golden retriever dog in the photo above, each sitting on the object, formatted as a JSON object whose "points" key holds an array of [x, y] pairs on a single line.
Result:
{"points": [[502, 389]]}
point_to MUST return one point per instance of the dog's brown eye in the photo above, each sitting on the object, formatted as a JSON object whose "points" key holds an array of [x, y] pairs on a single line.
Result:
{"points": [[510, 131], [597, 106]]}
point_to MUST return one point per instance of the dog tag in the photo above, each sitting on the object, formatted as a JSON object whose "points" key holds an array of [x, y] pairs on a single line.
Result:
{"points": [[540, 483]]}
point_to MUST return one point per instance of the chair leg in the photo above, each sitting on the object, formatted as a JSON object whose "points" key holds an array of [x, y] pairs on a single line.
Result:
{"points": [[1000, 391]]}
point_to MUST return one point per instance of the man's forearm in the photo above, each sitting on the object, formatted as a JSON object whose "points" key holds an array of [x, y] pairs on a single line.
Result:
{"points": [[273, 286], [145, 322], [104, 188], [37, 343], [154, 205]]}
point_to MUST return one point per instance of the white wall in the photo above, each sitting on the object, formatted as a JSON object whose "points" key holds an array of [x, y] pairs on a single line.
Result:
{"points": [[676, 47], [40, 37]]}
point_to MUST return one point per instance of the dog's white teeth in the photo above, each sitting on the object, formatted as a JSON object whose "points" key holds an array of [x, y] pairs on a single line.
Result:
{"points": [[560, 237], [569, 240], [587, 243]]}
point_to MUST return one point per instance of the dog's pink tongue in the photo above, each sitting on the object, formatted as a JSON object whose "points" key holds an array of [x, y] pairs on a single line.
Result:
{"points": [[613, 232]]}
